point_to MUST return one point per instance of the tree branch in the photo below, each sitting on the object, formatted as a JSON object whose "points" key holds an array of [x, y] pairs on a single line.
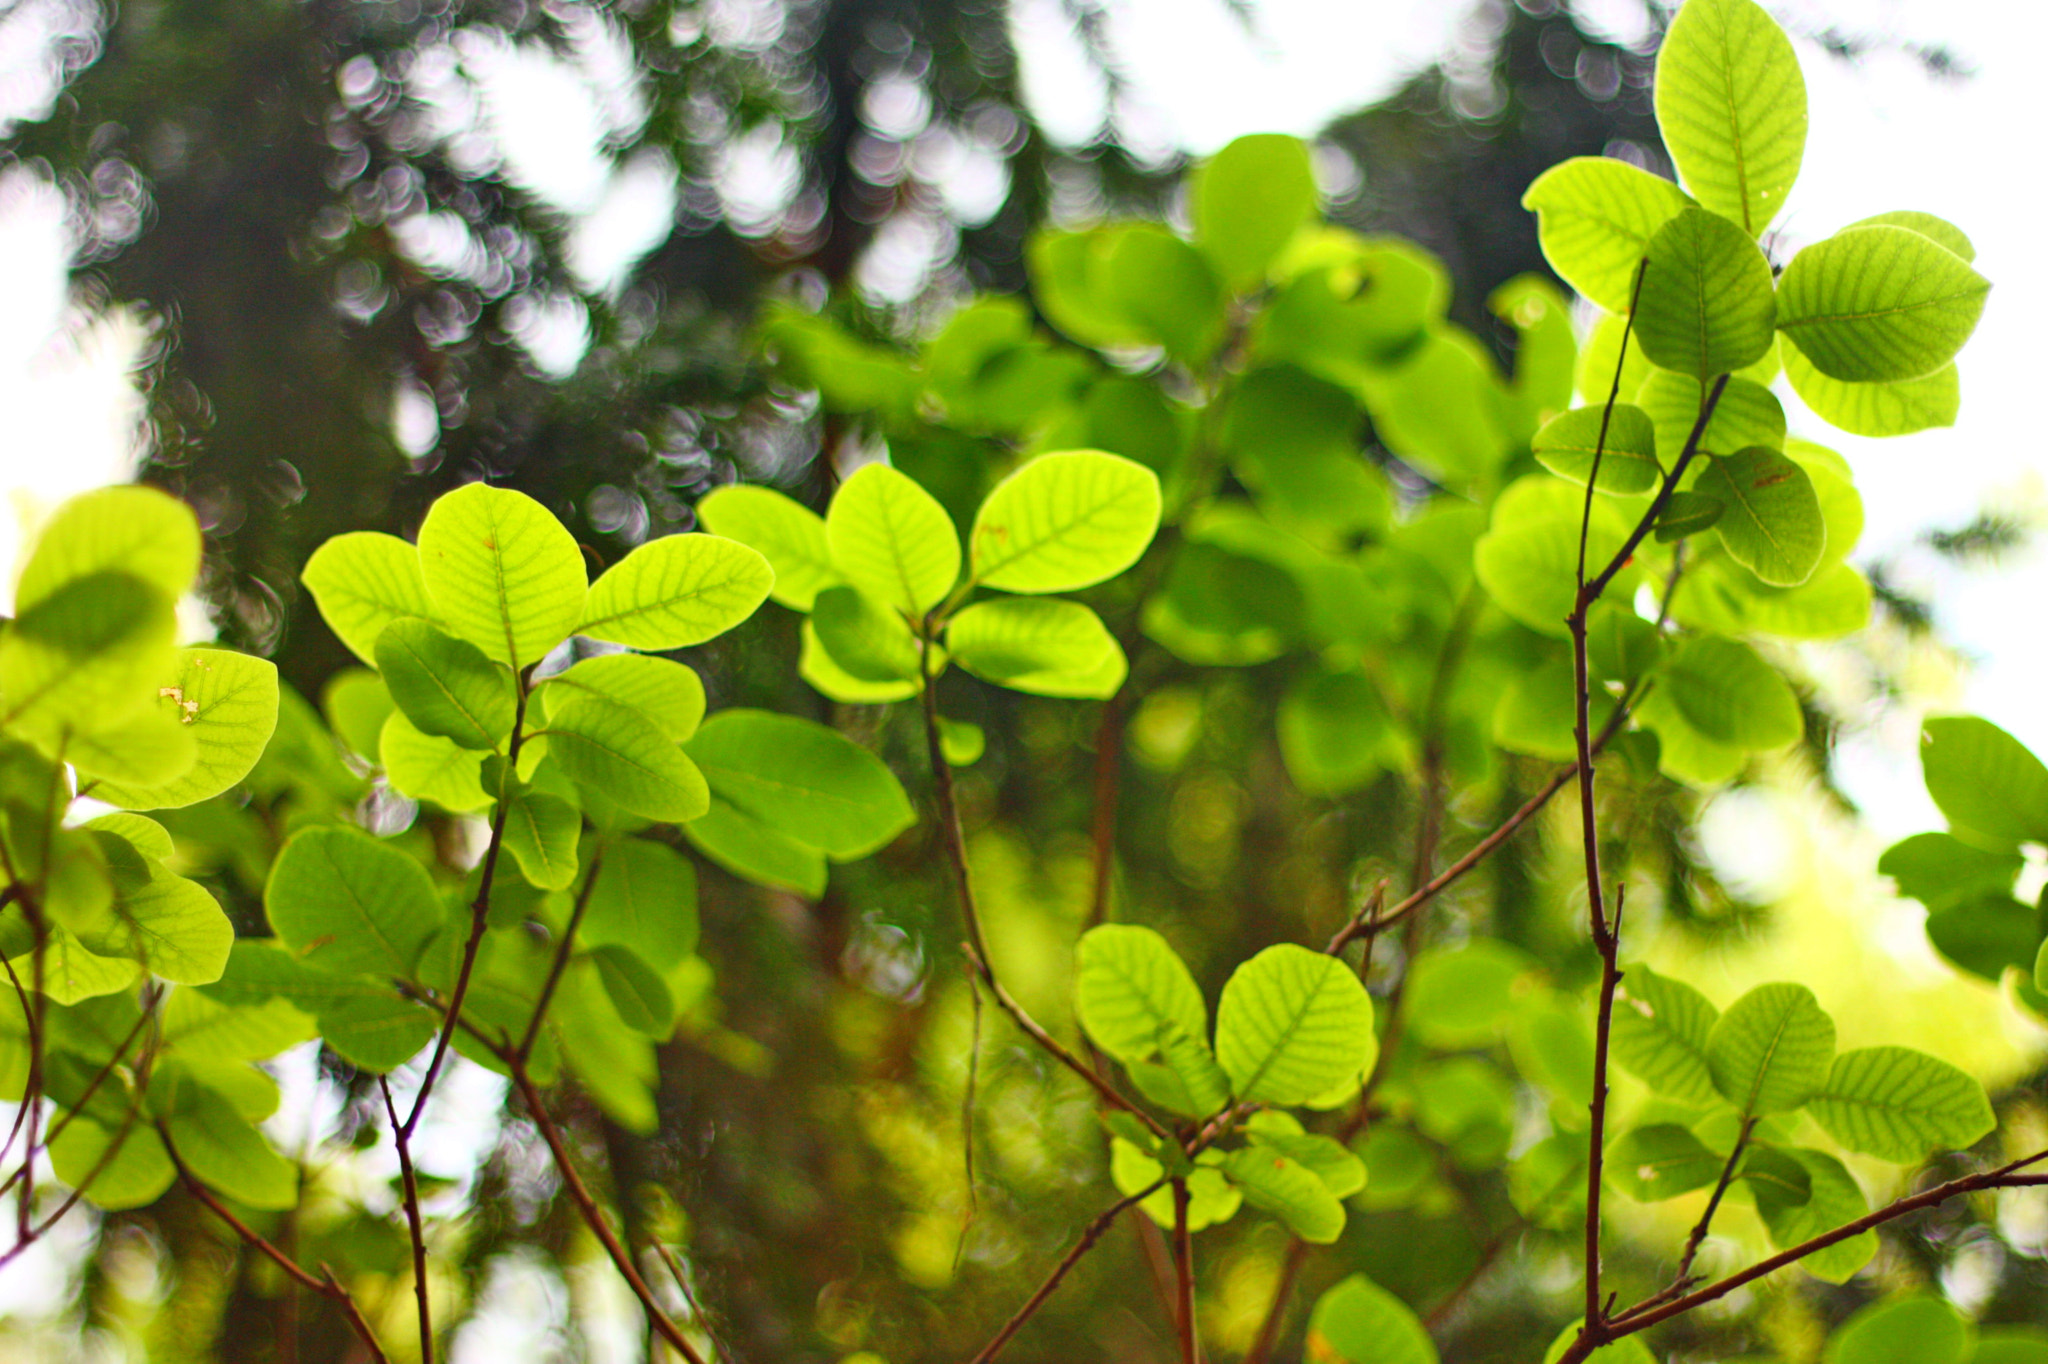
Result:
{"points": [[414, 1223], [1184, 1275], [1089, 1236]]}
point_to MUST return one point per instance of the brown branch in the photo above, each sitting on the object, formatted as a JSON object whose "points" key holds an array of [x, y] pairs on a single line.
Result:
{"points": [[1184, 1275], [327, 1287], [977, 945], [1683, 1279], [415, 1224], [586, 1204], [1089, 1236], [479, 919]]}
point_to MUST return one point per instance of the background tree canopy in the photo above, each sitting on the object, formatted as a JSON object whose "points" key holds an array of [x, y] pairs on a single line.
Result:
{"points": [[1325, 675]]}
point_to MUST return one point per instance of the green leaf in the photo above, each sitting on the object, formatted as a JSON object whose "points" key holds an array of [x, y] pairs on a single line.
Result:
{"points": [[362, 581], [173, 927], [138, 1174], [870, 641], [1659, 1035], [1731, 105], [71, 973], [816, 666], [1065, 521], [676, 591], [1771, 1050], [446, 686], [1941, 870], [1833, 1199], [612, 748], [1730, 695], [87, 656], [1625, 445], [1292, 1025], [1186, 1078], [502, 572], [2011, 1345], [961, 743], [1879, 304], [1594, 377], [429, 767], [1903, 1331], [1128, 984], [1894, 409], [645, 901], [1342, 1173], [756, 851], [341, 900], [1350, 303], [1047, 647], [1927, 225], [810, 783], [1662, 1161], [1536, 713], [643, 1001], [1707, 307], [144, 834], [1688, 513], [1212, 1199], [355, 705], [667, 692], [1900, 1104], [789, 535], [1358, 1322], [1985, 781], [1747, 414], [1459, 996], [1248, 202], [1771, 524], [1276, 1184], [131, 529], [379, 1033], [1595, 216], [540, 833], [1333, 727], [1163, 288], [1442, 407], [229, 1155], [150, 749], [1527, 560], [1069, 284], [892, 540]]}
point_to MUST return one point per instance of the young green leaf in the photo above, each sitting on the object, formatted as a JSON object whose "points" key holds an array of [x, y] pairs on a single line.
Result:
{"points": [[1771, 522], [1984, 780], [429, 767], [1342, 1173], [1249, 200], [1732, 107], [756, 851], [1186, 1079], [227, 702], [1358, 1322], [131, 529], [1894, 409], [1879, 304], [1047, 647], [173, 927], [1771, 1050], [540, 833], [343, 901], [789, 535], [1916, 1330], [1707, 307], [502, 572], [1292, 1025], [612, 748], [892, 540], [1128, 983], [1730, 695], [1660, 1033], [816, 665], [1065, 521], [645, 901], [869, 640], [1832, 1199], [802, 779], [640, 996], [669, 693], [1662, 1161], [1624, 445], [1272, 1182], [446, 686], [676, 591], [1332, 730], [229, 1155], [362, 581], [1899, 1104], [1595, 216]]}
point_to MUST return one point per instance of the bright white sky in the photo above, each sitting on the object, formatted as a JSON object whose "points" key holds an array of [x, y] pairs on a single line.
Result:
{"points": [[1884, 136]]}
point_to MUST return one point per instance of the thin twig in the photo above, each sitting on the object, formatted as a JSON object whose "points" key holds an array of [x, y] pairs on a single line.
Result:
{"points": [[415, 1223], [479, 919], [1699, 1231], [1184, 1275], [1089, 1236], [1268, 1337]]}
